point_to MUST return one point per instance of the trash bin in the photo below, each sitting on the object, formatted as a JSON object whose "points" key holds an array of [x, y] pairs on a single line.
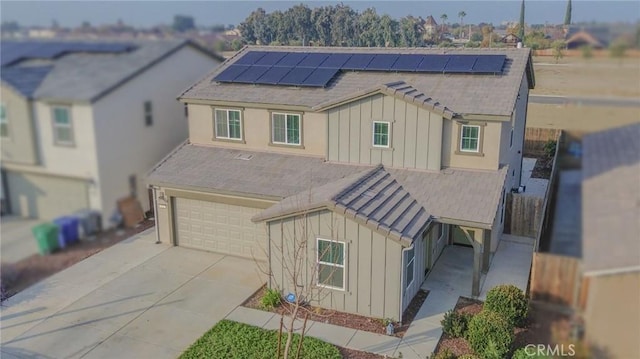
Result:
{"points": [[90, 222], [46, 235], [68, 230]]}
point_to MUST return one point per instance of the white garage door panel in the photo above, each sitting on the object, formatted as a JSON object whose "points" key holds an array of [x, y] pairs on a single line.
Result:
{"points": [[219, 227], [45, 197]]}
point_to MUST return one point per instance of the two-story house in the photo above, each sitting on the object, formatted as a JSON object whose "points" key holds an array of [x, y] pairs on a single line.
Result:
{"points": [[376, 159], [82, 122]]}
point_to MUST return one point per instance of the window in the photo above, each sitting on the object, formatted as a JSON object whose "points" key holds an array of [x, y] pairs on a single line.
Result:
{"points": [[228, 124], [411, 254], [4, 123], [511, 138], [285, 128], [331, 269], [148, 114], [380, 134], [62, 129], [470, 139]]}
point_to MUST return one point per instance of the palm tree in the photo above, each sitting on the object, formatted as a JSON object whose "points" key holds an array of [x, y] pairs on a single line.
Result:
{"points": [[444, 18], [461, 15]]}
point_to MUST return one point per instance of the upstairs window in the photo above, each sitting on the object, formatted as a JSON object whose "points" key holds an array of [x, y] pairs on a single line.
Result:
{"points": [[62, 127], [285, 128], [148, 113], [381, 134], [331, 267], [4, 122], [470, 138], [228, 124]]}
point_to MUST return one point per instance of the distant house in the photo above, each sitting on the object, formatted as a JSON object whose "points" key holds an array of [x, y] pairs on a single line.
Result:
{"points": [[597, 37], [83, 121], [611, 245], [510, 40], [430, 27]]}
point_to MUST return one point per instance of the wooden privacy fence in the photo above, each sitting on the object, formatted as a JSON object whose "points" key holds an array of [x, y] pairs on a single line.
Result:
{"points": [[536, 138], [523, 215], [555, 279]]}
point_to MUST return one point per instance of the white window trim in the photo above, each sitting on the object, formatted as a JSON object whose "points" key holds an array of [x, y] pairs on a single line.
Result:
{"points": [[57, 125], [412, 260], [477, 150], [373, 134], [215, 123], [5, 121], [343, 265], [286, 129]]}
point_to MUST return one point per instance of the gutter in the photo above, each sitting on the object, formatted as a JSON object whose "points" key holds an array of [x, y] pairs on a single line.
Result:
{"points": [[605, 272]]}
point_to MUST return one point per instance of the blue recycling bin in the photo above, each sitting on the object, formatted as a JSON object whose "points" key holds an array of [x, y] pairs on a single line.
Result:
{"points": [[68, 233]]}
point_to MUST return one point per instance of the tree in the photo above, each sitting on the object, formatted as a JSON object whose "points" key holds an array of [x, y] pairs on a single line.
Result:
{"points": [[236, 44], [558, 46], [182, 23], [521, 29], [618, 49], [567, 14], [461, 15], [410, 34], [444, 18], [322, 20], [300, 18], [344, 31]]}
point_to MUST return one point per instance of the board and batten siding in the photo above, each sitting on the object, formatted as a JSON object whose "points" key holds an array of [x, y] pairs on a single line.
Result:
{"points": [[415, 139], [373, 264]]}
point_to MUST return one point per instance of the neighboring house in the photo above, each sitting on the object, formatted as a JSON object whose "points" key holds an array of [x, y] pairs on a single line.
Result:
{"points": [[82, 122], [583, 38], [385, 156], [611, 246], [430, 27], [510, 40]]}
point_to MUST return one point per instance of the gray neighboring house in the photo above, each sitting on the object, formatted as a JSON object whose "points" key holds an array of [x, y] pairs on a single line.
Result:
{"points": [[382, 169], [611, 241], [83, 121]]}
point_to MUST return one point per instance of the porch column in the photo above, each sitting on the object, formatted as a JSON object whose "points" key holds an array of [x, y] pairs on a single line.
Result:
{"points": [[477, 262]]}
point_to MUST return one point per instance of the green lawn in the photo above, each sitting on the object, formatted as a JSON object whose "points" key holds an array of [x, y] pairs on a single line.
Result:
{"points": [[232, 340]]}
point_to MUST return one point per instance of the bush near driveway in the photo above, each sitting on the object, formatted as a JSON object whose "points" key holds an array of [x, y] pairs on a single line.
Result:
{"points": [[490, 335], [508, 301], [232, 340]]}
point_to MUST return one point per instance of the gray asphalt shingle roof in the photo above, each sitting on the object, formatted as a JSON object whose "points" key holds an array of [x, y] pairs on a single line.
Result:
{"points": [[611, 199], [25, 80], [460, 93], [310, 182]]}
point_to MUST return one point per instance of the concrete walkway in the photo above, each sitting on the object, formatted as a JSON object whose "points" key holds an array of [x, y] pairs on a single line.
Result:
{"points": [[566, 233], [536, 187], [135, 299]]}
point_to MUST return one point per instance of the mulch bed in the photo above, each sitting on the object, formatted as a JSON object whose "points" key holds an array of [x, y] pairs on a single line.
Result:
{"points": [[22, 274], [542, 168], [342, 319], [543, 326]]}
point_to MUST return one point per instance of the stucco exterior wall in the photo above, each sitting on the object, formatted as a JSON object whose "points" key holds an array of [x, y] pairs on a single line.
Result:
{"points": [[415, 135], [20, 145], [612, 315], [125, 145], [373, 264], [256, 128]]}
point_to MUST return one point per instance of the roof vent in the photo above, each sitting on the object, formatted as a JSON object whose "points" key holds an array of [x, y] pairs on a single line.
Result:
{"points": [[244, 157]]}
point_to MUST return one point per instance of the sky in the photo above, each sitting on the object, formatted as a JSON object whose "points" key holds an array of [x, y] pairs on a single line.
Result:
{"points": [[207, 13]]}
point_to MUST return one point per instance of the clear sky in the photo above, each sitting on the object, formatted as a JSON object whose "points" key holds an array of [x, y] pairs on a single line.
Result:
{"points": [[148, 13]]}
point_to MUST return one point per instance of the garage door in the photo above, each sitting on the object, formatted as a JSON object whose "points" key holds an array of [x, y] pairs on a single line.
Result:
{"points": [[45, 197], [219, 227]]}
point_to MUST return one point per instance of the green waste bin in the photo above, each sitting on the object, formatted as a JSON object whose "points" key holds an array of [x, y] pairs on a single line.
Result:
{"points": [[46, 236]]}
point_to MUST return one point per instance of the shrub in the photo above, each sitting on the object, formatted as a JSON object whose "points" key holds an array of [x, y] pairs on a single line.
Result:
{"points": [[270, 299], [490, 335], [509, 302], [468, 356], [455, 324], [444, 354], [522, 354]]}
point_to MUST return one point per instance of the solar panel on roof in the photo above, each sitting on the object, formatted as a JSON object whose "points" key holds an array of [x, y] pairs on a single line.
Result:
{"points": [[407, 62], [270, 58], [358, 62], [296, 76], [250, 58], [460, 63], [489, 64], [291, 59], [335, 61], [231, 72], [313, 60], [250, 75], [320, 77], [433, 63], [382, 62], [273, 75]]}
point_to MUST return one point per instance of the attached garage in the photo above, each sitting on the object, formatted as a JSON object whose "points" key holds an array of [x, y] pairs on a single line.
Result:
{"points": [[218, 227], [45, 197]]}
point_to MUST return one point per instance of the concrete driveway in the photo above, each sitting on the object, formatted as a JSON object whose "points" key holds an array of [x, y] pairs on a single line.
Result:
{"points": [[16, 240], [136, 299]]}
